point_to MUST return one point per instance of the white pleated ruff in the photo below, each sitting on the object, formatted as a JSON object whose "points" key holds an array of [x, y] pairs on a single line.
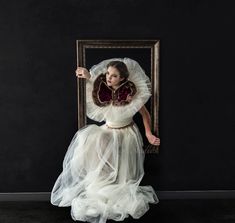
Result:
{"points": [[118, 113], [102, 170]]}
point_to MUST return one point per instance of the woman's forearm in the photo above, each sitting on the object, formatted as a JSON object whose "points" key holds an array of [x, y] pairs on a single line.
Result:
{"points": [[147, 124], [146, 120]]}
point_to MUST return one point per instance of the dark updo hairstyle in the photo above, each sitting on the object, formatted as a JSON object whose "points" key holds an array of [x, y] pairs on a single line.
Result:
{"points": [[121, 67]]}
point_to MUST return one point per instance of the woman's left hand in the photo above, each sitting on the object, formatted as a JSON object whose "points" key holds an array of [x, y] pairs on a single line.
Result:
{"points": [[153, 139]]}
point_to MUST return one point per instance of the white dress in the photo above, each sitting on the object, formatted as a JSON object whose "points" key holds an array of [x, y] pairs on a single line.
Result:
{"points": [[103, 166]]}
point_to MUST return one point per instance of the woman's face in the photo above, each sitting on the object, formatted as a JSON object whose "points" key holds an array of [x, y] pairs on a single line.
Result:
{"points": [[113, 77]]}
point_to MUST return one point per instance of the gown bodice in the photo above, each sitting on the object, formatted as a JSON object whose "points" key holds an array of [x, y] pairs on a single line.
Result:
{"points": [[104, 95]]}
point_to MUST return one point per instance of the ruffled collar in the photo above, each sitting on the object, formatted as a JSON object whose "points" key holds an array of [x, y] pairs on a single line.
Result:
{"points": [[104, 95]]}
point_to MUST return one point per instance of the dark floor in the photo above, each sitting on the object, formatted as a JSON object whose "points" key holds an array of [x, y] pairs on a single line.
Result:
{"points": [[167, 211]]}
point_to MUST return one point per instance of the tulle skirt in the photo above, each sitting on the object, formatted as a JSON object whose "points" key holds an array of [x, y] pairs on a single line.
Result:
{"points": [[102, 170]]}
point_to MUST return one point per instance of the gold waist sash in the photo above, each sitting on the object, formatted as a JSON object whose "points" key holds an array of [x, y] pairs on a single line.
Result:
{"points": [[120, 127]]}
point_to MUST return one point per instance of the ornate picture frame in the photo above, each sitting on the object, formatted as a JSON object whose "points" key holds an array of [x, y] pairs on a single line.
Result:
{"points": [[145, 52]]}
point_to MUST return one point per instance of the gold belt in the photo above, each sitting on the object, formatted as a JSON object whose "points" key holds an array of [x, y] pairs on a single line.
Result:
{"points": [[132, 123]]}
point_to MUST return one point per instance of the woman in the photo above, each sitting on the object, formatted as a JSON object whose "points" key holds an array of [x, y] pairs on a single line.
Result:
{"points": [[103, 166]]}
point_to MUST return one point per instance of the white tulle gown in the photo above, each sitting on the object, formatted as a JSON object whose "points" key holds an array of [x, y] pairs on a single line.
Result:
{"points": [[103, 166]]}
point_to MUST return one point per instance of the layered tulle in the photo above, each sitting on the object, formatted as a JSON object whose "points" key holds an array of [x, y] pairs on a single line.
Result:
{"points": [[104, 165], [137, 76], [102, 170]]}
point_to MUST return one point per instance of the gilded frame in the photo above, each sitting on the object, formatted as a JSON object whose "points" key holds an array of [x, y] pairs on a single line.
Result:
{"points": [[151, 46]]}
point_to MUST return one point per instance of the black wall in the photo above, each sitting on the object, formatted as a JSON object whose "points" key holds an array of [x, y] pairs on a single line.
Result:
{"points": [[38, 107]]}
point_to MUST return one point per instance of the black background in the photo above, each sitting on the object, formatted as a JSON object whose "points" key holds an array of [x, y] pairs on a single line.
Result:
{"points": [[38, 94]]}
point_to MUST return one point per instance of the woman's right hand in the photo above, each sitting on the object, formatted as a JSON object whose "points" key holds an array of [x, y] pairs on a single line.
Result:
{"points": [[82, 72]]}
